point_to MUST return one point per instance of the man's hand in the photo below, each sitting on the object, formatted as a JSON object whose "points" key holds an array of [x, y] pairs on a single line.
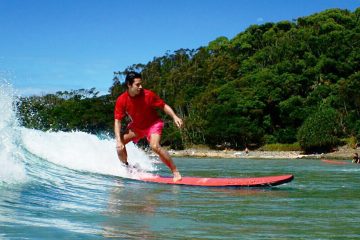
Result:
{"points": [[120, 150], [178, 122], [119, 146]]}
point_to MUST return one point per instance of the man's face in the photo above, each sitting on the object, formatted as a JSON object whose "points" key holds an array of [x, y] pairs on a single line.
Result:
{"points": [[136, 87]]}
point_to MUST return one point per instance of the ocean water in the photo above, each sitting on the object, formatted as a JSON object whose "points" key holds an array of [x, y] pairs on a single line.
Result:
{"points": [[57, 185]]}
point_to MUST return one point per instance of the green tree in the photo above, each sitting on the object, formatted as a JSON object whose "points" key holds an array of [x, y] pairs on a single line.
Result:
{"points": [[320, 131]]}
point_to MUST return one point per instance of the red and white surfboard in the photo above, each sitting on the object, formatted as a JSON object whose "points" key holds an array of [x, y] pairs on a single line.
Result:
{"points": [[267, 181], [335, 162]]}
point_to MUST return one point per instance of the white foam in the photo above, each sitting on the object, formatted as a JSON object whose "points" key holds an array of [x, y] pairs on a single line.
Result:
{"points": [[83, 151], [11, 165], [74, 150]]}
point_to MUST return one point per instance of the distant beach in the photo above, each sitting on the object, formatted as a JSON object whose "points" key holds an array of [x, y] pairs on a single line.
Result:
{"points": [[341, 153]]}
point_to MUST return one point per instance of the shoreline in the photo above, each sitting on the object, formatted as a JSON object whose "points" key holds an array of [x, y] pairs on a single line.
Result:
{"points": [[343, 153]]}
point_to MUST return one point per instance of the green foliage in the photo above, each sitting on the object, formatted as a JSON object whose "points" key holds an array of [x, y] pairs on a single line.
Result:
{"points": [[351, 142], [320, 131], [66, 111], [172, 138], [281, 147], [272, 83]]}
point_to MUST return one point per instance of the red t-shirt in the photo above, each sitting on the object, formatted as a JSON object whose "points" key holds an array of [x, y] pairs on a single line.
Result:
{"points": [[141, 109]]}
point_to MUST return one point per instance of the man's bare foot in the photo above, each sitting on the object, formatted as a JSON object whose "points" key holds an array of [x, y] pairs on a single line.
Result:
{"points": [[177, 176]]}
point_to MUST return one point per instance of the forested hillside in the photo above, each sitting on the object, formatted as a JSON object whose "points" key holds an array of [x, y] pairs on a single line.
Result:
{"points": [[285, 82]]}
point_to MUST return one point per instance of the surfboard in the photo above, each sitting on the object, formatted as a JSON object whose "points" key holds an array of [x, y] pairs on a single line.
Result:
{"points": [[335, 162], [267, 181]]}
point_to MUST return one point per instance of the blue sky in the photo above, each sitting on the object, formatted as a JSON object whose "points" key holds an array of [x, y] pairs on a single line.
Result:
{"points": [[52, 45]]}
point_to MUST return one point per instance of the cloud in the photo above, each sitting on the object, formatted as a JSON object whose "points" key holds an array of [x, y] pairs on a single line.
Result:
{"points": [[259, 19]]}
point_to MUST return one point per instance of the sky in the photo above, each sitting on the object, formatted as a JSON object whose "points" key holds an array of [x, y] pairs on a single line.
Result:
{"points": [[57, 45]]}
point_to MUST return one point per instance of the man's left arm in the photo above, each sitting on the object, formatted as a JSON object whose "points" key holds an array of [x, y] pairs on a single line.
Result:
{"points": [[169, 111]]}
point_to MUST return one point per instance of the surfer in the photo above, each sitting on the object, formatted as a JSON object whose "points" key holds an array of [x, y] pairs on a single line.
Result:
{"points": [[356, 158], [140, 105]]}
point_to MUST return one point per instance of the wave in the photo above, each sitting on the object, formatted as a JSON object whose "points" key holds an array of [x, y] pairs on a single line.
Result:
{"points": [[80, 151], [83, 152], [11, 166]]}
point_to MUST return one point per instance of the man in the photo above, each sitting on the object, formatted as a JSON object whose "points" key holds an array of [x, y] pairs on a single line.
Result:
{"points": [[140, 106], [356, 158]]}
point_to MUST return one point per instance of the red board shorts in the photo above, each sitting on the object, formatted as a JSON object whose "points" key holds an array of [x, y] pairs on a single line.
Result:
{"points": [[156, 128]]}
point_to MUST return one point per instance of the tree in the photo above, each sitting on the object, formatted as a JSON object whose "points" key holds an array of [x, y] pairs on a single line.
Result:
{"points": [[320, 131]]}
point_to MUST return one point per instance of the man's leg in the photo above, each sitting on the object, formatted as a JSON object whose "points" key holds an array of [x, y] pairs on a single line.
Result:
{"points": [[125, 138], [164, 155]]}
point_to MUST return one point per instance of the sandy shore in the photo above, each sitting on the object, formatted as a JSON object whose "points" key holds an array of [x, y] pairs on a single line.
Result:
{"points": [[341, 153]]}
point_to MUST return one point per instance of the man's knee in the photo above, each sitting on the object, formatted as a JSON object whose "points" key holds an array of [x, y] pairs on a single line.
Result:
{"points": [[155, 147]]}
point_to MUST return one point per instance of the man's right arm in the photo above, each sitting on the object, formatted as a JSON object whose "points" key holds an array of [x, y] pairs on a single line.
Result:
{"points": [[117, 128], [119, 142], [117, 131]]}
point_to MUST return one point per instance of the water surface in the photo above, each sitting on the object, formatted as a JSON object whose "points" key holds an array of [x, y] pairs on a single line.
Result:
{"points": [[57, 185], [321, 203]]}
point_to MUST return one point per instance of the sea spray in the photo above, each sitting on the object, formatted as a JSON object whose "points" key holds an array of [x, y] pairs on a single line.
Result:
{"points": [[11, 157], [83, 151], [74, 150]]}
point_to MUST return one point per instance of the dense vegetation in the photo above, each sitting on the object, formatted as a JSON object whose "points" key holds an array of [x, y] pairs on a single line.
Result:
{"points": [[285, 82]]}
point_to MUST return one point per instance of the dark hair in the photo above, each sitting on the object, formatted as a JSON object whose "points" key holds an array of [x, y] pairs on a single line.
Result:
{"points": [[130, 76]]}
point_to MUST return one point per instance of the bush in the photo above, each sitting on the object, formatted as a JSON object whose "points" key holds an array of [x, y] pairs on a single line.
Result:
{"points": [[351, 142], [319, 131], [281, 147], [172, 137]]}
